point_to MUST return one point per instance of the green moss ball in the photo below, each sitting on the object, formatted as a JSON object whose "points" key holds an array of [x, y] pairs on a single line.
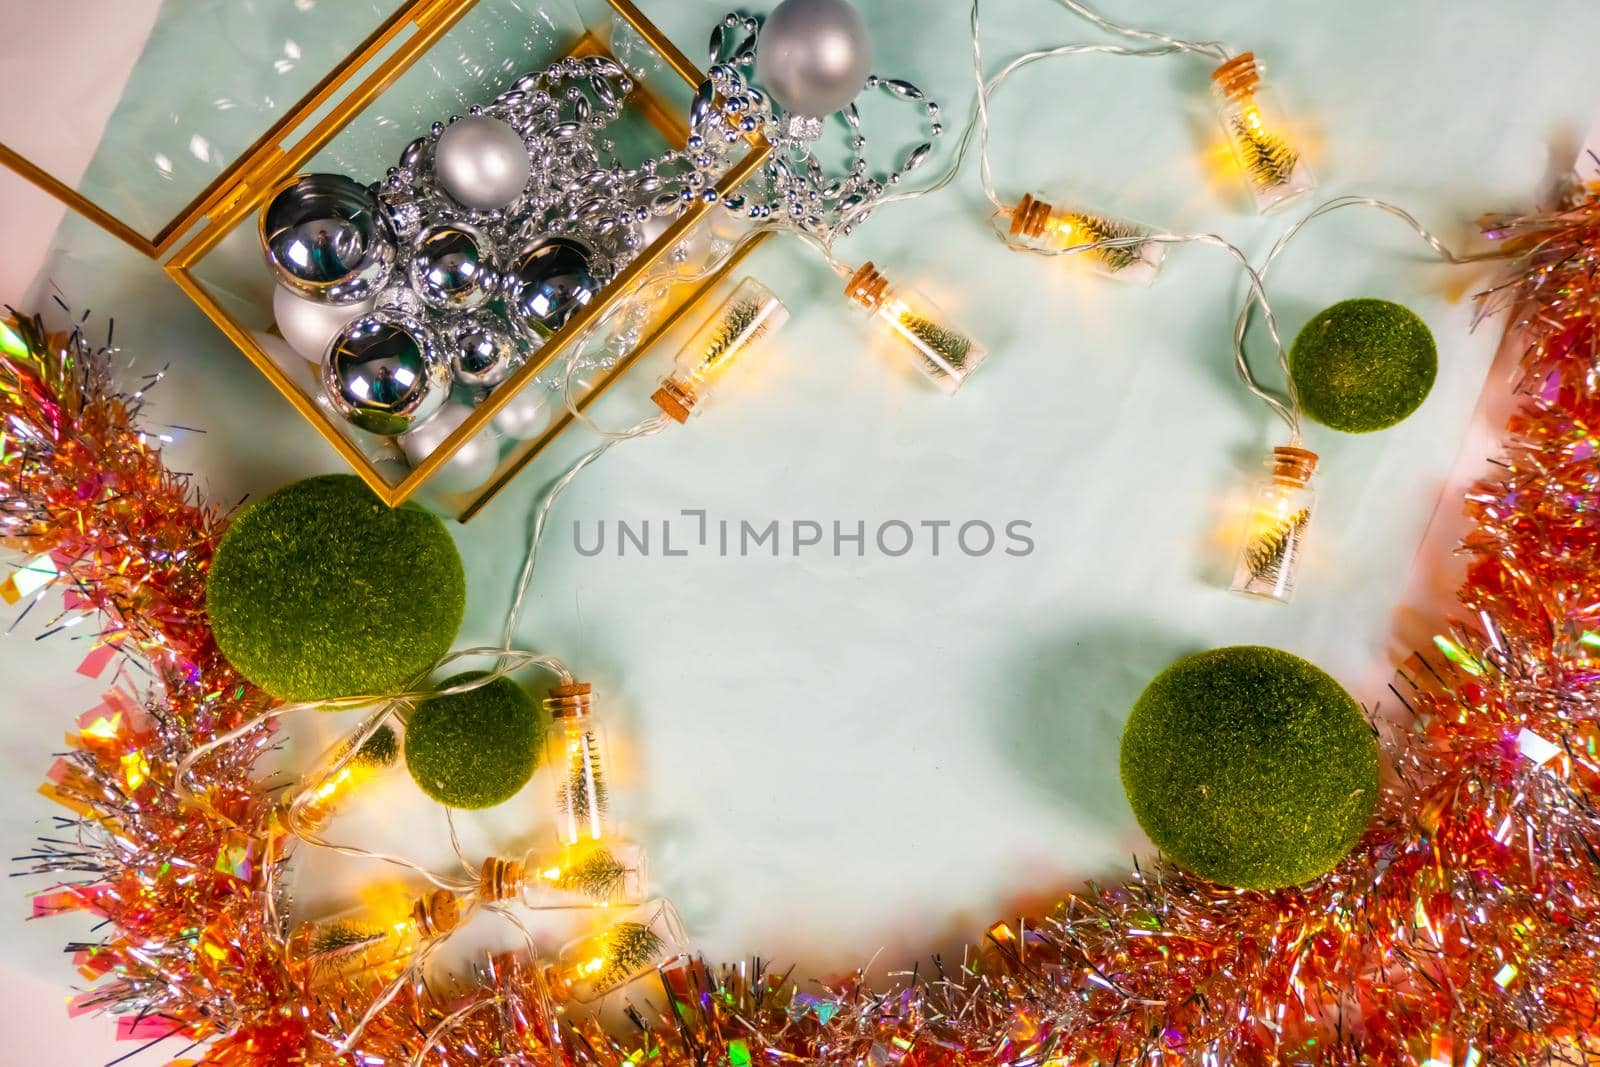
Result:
{"points": [[1363, 365], [1250, 767], [320, 590], [475, 749]]}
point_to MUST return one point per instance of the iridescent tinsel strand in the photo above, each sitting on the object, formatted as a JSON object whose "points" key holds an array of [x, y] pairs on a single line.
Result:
{"points": [[1463, 930]]}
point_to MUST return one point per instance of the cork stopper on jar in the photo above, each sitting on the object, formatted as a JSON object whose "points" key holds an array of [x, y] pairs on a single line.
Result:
{"points": [[500, 878], [569, 701], [674, 400], [1238, 77], [1030, 217], [436, 914], [1291, 463], [867, 287]]}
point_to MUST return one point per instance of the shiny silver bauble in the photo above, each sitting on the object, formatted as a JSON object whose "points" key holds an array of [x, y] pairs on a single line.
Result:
{"points": [[482, 352], [325, 238], [481, 162], [813, 56], [546, 282], [453, 267], [384, 374]]}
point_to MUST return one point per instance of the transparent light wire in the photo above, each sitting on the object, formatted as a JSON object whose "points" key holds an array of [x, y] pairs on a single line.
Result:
{"points": [[1258, 276], [1210, 49], [978, 117], [455, 845], [415, 969], [1286, 407], [442, 1029], [445, 1025], [980, 112], [541, 516], [655, 287]]}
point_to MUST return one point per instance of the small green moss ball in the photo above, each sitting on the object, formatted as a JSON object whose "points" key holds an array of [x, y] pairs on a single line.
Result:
{"points": [[1363, 365], [475, 749], [1250, 767], [320, 590]]}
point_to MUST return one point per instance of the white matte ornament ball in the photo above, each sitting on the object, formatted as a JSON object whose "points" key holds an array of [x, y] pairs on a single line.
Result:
{"points": [[472, 463], [481, 162], [813, 56], [527, 414], [307, 325]]}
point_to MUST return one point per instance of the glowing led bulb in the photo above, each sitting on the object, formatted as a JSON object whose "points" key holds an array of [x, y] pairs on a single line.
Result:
{"points": [[592, 874], [1054, 226], [750, 313], [1279, 516], [627, 949], [944, 353], [577, 756], [1274, 167], [341, 772], [362, 939]]}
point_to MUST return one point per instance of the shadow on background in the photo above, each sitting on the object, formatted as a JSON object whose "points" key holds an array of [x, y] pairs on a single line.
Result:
{"points": [[1064, 732]]}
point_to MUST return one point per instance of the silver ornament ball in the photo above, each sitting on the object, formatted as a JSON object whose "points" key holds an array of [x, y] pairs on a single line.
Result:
{"points": [[384, 374], [481, 162], [482, 353], [324, 237], [453, 267], [546, 282], [309, 326], [813, 56], [469, 466]]}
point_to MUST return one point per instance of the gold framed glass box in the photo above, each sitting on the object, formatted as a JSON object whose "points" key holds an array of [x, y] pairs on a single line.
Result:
{"points": [[427, 60]]}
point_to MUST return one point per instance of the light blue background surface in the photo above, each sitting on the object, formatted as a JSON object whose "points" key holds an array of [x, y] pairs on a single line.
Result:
{"points": [[830, 755]]}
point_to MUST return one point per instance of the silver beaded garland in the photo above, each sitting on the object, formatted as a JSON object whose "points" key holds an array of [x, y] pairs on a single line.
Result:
{"points": [[533, 170], [799, 191]]}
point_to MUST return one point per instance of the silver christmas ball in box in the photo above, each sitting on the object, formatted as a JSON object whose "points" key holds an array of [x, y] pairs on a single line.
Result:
{"points": [[481, 162], [481, 350], [548, 280], [453, 267], [384, 373], [326, 240]]}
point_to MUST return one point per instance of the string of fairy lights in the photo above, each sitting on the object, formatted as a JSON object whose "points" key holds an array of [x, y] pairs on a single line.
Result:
{"points": [[591, 866]]}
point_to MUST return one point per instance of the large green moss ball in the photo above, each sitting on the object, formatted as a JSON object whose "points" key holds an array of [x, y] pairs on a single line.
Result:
{"points": [[320, 590], [1250, 767], [1363, 365], [475, 749]]}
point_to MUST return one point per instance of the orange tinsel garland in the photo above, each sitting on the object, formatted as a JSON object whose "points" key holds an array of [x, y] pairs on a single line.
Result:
{"points": [[1465, 928]]}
